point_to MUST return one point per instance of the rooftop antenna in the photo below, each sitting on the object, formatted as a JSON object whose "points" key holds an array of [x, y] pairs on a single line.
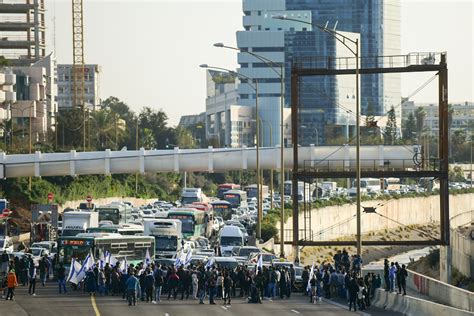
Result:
{"points": [[335, 25]]}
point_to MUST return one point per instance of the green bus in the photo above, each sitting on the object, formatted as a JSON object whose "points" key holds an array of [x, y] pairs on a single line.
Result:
{"points": [[120, 246], [193, 221], [116, 213]]}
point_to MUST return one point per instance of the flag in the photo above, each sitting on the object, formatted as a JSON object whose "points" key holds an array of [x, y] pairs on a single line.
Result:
{"points": [[147, 257], [259, 263], [188, 258], [210, 262], [311, 274], [125, 265], [72, 270], [86, 265], [102, 261]]}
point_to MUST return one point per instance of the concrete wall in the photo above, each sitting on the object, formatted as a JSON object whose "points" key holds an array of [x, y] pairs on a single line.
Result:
{"points": [[421, 210], [409, 305], [440, 291], [462, 245]]}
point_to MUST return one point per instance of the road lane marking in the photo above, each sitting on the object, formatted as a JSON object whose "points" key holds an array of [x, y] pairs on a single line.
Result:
{"points": [[94, 306], [295, 311], [166, 314], [224, 307], [344, 306]]}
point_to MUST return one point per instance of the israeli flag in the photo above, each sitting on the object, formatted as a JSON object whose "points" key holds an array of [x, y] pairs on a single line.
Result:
{"points": [[86, 265], [210, 263], [177, 262], [147, 257], [73, 270], [102, 261], [188, 258]]}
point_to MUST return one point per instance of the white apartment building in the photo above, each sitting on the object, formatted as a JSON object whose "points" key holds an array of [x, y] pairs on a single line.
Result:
{"points": [[91, 86], [462, 116]]}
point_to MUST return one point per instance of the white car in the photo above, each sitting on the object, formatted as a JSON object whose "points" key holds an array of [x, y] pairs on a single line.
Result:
{"points": [[6, 243]]}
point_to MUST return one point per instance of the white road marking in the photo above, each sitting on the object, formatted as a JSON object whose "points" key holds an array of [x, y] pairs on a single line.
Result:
{"points": [[295, 311], [344, 307], [224, 307], [166, 314]]}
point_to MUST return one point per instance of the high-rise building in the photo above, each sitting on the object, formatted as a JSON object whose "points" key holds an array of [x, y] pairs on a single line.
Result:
{"points": [[327, 103], [91, 86], [22, 31]]}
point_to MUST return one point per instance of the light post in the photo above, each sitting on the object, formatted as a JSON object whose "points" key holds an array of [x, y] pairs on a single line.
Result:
{"points": [[259, 181], [343, 39], [281, 74]]}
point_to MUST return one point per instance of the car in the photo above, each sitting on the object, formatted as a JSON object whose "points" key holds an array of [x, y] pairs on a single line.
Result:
{"points": [[6, 243], [198, 259], [246, 251], [165, 261], [38, 252], [267, 258], [205, 252], [51, 246], [226, 262]]}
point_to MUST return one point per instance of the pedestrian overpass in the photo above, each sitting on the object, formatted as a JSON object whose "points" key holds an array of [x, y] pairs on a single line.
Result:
{"points": [[323, 158]]}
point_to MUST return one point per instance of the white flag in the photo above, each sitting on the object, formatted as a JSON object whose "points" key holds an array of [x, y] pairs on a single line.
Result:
{"points": [[147, 257], [210, 262], [125, 265], [259, 262], [112, 260], [311, 274], [188, 258]]}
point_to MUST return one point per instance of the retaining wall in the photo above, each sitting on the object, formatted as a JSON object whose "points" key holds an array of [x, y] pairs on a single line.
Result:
{"points": [[462, 245], [409, 305]]}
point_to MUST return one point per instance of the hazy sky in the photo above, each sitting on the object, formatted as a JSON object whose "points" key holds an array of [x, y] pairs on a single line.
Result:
{"points": [[150, 51]]}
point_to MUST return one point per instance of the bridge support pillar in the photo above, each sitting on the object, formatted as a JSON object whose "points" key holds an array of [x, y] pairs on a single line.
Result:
{"points": [[445, 263]]}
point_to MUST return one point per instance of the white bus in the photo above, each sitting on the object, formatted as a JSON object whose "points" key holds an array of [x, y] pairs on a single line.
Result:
{"points": [[167, 234], [368, 186]]}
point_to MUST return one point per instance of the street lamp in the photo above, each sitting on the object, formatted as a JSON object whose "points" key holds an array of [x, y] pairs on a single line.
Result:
{"points": [[259, 181], [272, 65], [343, 40]]}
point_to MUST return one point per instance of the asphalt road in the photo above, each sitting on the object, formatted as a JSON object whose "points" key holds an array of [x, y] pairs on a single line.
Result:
{"points": [[48, 302]]}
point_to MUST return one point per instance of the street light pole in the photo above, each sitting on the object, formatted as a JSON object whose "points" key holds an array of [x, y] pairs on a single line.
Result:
{"points": [[259, 182], [342, 39], [270, 63]]}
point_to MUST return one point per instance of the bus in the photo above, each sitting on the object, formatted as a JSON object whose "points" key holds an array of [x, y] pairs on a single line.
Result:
{"points": [[167, 234], [191, 195], [123, 229], [305, 190], [222, 188], [368, 186], [222, 209], [115, 213], [236, 198], [208, 218], [192, 221], [252, 191], [133, 248]]}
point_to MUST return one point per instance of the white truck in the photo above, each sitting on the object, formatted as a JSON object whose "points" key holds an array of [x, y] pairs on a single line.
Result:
{"points": [[191, 195], [76, 222], [167, 233], [230, 237]]}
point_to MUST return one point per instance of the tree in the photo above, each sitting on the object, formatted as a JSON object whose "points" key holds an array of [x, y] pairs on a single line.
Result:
{"points": [[391, 127], [148, 139], [409, 127], [420, 115]]}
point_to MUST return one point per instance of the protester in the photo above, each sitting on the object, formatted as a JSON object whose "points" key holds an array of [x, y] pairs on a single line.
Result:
{"points": [[32, 278], [12, 283], [132, 289], [403, 280]]}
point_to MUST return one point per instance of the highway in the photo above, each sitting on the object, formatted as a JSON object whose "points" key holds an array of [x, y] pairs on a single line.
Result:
{"points": [[48, 302]]}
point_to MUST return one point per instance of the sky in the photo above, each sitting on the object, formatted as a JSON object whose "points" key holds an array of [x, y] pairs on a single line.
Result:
{"points": [[150, 51]]}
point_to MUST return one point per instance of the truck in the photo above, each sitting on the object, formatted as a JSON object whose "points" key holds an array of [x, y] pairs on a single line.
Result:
{"points": [[76, 222], [329, 188], [191, 195], [167, 234], [230, 237]]}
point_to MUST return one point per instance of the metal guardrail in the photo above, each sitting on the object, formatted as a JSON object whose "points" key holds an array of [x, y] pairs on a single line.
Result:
{"points": [[328, 165]]}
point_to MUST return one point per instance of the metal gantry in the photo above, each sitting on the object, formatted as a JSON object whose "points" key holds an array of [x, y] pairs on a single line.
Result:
{"points": [[324, 66]]}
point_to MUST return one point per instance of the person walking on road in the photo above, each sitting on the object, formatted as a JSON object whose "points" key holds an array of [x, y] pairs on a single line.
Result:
{"points": [[61, 276], [227, 288], [149, 283], [353, 289], [158, 276], [32, 278], [12, 283], [195, 282], [132, 285], [212, 282]]}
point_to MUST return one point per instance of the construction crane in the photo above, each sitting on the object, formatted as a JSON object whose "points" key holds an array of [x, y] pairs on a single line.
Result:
{"points": [[78, 68]]}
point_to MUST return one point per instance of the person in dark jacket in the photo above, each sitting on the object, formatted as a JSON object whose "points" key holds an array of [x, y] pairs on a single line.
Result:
{"points": [[385, 275], [149, 284], [90, 282], [228, 283], [202, 283], [173, 282], [61, 276], [403, 279], [353, 289]]}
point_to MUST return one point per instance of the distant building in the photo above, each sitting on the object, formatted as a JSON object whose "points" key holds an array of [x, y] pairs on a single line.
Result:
{"points": [[29, 93], [22, 31], [462, 115], [327, 104], [91, 86], [190, 121]]}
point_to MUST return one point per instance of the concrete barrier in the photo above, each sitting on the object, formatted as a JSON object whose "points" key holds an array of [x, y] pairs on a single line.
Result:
{"points": [[409, 305], [440, 291]]}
